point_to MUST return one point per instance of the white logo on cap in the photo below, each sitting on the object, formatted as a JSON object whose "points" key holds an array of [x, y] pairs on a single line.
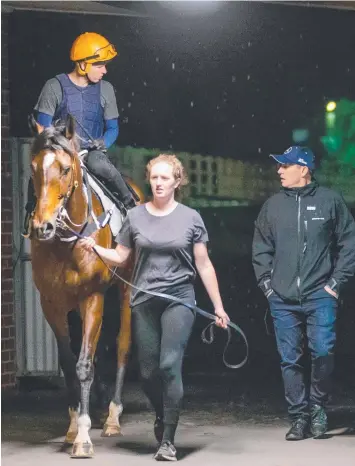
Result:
{"points": [[302, 161], [288, 150]]}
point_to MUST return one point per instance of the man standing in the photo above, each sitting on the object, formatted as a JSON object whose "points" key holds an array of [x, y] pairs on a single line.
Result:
{"points": [[91, 100], [303, 254]]}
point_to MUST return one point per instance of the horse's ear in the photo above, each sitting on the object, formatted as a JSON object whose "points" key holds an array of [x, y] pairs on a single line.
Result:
{"points": [[35, 127], [70, 127]]}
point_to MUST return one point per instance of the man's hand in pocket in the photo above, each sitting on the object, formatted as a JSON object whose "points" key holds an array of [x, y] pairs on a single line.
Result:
{"points": [[331, 292]]}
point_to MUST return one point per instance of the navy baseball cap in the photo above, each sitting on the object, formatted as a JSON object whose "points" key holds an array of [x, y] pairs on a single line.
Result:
{"points": [[296, 155]]}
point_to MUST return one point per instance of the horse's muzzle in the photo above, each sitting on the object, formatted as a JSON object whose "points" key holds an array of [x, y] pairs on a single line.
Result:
{"points": [[45, 232]]}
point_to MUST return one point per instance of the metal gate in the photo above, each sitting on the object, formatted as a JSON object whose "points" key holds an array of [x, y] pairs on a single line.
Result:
{"points": [[36, 348]]}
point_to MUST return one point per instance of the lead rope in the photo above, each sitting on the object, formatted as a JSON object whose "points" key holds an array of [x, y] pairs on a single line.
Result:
{"points": [[208, 315]]}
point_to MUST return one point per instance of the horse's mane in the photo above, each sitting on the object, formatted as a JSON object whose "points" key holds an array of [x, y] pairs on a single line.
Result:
{"points": [[53, 138]]}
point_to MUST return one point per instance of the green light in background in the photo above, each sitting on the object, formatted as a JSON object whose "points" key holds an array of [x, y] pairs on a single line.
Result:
{"points": [[331, 106]]}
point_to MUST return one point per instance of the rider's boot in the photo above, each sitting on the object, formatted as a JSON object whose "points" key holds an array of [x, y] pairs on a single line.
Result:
{"points": [[27, 225]]}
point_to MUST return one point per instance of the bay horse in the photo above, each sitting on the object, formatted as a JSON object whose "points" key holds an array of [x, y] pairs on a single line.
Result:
{"points": [[68, 277]]}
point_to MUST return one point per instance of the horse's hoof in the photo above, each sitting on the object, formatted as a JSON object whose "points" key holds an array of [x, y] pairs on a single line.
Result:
{"points": [[82, 450], [111, 431], [70, 438]]}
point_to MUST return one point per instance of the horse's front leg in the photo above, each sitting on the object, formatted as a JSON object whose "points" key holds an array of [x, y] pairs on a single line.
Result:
{"points": [[57, 319], [112, 425], [91, 311]]}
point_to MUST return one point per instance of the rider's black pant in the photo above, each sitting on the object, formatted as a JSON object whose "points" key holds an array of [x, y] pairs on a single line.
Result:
{"points": [[100, 165]]}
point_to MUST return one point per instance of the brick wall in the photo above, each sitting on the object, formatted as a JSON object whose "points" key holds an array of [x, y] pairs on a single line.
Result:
{"points": [[8, 367]]}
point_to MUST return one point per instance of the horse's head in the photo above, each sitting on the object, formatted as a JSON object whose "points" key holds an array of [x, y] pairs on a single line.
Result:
{"points": [[54, 173]]}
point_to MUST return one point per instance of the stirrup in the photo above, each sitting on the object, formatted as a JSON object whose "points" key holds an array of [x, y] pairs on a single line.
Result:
{"points": [[26, 232]]}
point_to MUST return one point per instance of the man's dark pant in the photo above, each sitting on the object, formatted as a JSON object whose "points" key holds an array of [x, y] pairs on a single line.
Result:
{"points": [[295, 324]]}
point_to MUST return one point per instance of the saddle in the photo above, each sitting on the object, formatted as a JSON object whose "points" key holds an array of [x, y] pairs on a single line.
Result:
{"points": [[114, 210]]}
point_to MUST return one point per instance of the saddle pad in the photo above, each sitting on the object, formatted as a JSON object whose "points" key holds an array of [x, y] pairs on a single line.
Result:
{"points": [[117, 218]]}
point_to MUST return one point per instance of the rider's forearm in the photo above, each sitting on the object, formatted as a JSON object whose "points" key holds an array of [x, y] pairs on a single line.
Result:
{"points": [[44, 119], [110, 256], [111, 132]]}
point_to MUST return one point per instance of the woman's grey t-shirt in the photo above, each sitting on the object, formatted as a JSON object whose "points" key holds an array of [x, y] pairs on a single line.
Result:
{"points": [[163, 248]]}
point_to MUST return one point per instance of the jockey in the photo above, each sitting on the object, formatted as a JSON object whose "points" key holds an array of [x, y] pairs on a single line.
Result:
{"points": [[91, 100]]}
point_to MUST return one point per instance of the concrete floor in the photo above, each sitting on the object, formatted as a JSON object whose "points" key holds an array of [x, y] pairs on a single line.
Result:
{"points": [[217, 424]]}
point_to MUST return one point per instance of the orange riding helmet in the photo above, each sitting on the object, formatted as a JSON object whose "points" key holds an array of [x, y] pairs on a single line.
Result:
{"points": [[90, 48]]}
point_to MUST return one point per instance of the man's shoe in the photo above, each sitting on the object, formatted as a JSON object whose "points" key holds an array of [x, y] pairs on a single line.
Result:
{"points": [[159, 429], [166, 452], [298, 429], [319, 421]]}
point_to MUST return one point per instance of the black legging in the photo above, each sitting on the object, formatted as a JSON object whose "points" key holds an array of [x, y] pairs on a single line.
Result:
{"points": [[100, 165], [161, 330]]}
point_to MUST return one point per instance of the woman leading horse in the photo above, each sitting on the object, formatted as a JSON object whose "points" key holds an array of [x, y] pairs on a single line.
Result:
{"points": [[69, 277]]}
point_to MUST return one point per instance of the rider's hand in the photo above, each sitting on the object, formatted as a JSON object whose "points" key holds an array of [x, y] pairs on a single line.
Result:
{"points": [[87, 243], [98, 144], [221, 317]]}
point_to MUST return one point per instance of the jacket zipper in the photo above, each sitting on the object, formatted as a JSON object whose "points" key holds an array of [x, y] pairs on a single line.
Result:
{"points": [[305, 236], [298, 199]]}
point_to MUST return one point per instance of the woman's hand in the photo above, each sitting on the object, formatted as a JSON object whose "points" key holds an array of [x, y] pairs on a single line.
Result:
{"points": [[87, 243], [221, 318]]}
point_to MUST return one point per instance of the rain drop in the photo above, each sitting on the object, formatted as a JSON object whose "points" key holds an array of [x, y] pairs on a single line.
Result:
{"points": [[132, 94], [248, 77], [173, 66], [145, 83], [259, 150], [234, 79], [192, 104], [157, 59]]}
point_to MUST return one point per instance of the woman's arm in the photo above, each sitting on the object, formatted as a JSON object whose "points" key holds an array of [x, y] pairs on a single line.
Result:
{"points": [[117, 256], [209, 279]]}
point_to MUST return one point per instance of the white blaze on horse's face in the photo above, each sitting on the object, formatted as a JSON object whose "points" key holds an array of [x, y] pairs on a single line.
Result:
{"points": [[162, 180], [48, 160]]}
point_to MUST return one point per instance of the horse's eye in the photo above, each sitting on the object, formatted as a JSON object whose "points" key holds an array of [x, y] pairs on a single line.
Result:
{"points": [[66, 171]]}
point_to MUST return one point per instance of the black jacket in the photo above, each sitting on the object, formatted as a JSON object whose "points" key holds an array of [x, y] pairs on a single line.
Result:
{"points": [[304, 239]]}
